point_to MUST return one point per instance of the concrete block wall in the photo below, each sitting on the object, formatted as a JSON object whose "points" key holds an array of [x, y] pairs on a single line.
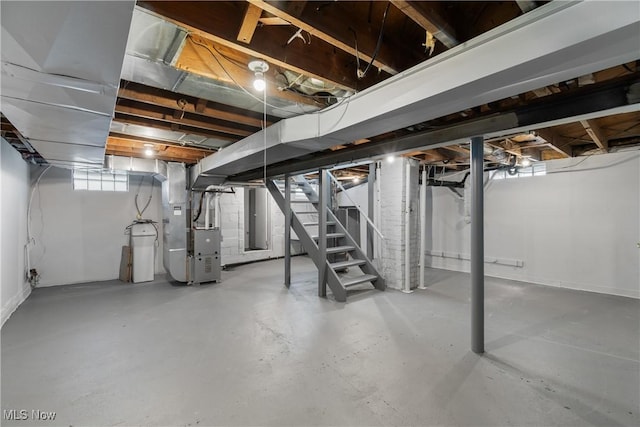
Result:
{"points": [[393, 203], [233, 232]]}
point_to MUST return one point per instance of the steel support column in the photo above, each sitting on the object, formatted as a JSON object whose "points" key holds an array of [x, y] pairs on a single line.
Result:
{"points": [[477, 244], [287, 231], [323, 200]]}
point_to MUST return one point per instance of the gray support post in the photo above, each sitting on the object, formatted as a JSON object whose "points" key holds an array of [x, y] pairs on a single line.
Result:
{"points": [[323, 200], [287, 230], [477, 244], [370, 206]]}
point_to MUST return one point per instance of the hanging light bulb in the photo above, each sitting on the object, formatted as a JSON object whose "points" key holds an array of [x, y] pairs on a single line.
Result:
{"points": [[525, 162], [390, 159], [259, 67], [148, 151], [259, 84]]}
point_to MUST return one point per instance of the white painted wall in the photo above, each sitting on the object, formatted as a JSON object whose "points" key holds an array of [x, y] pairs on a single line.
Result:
{"points": [[14, 199], [391, 222], [358, 196], [81, 233], [577, 227], [233, 230]]}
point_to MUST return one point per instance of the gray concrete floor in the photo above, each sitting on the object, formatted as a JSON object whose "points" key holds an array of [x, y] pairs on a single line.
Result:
{"points": [[248, 351]]}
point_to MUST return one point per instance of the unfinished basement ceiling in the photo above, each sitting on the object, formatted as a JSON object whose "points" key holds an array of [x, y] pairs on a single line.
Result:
{"points": [[186, 89]]}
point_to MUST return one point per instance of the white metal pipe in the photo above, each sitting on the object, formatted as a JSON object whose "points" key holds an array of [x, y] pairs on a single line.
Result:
{"points": [[207, 208], [423, 225], [407, 229], [377, 247], [216, 210]]}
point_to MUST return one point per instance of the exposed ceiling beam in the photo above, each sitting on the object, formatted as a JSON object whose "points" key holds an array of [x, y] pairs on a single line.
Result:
{"points": [[249, 23], [131, 108], [273, 20], [165, 125], [596, 134], [338, 30], [219, 22], [164, 98], [556, 142], [205, 58], [426, 15], [162, 151], [182, 145]]}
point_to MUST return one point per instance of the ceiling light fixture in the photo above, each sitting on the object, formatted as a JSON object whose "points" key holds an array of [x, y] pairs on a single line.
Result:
{"points": [[525, 162], [390, 159], [259, 67], [148, 150], [356, 180]]}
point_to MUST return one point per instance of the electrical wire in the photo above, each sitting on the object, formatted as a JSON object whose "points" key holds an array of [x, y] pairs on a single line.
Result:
{"points": [[378, 44], [148, 201], [342, 99], [30, 239], [236, 82]]}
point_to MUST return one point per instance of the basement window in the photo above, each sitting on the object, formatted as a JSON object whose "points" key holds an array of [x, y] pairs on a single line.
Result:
{"points": [[536, 169], [100, 180]]}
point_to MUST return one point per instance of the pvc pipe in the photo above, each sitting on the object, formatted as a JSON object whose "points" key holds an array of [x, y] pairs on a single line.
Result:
{"points": [[423, 225], [407, 229], [477, 244]]}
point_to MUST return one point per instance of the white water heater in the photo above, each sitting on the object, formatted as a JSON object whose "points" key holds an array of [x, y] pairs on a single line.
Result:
{"points": [[143, 239]]}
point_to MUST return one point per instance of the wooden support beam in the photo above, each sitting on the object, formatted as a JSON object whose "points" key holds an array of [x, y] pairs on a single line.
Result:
{"points": [[336, 29], [201, 105], [595, 133], [273, 20], [132, 147], [425, 15], [179, 117], [143, 140], [175, 127], [219, 23], [556, 142], [249, 23], [205, 58], [164, 98]]}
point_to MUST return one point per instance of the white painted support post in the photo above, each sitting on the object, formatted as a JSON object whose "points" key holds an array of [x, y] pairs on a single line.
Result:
{"points": [[423, 225], [406, 288]]}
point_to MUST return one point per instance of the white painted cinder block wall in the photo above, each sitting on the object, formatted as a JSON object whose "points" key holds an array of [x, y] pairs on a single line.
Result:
{"points": [[14, 199], [233, 231], [576, 227], [393, 203], [80, 234]]}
